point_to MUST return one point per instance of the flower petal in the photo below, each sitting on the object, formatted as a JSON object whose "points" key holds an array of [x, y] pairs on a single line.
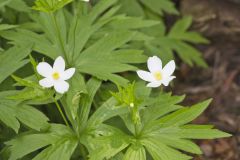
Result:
{"points": [[167, 80], [154, 84], [44, 69], [68, 73], [154, 64], [61, 86], [169, 68], [146, 76], [46, 82], [59, 64]]}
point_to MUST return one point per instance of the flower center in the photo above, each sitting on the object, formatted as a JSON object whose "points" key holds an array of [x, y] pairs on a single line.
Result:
{"points": [[56, 76], [158, 76]]}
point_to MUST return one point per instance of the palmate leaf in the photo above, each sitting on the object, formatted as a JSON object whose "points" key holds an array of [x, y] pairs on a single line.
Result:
{"points": [[60, 142], [179, 40], [177, 138], [103, 58], [11, 112], [164, 130], [169, 133]]}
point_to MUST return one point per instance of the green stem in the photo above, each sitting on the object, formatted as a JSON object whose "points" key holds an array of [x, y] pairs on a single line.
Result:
{"points": [[136, 131], [61, 112], [58, 34], [83, 152]]}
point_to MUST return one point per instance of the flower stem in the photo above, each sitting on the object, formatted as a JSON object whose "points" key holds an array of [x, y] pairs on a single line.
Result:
{"points": [[61, 112], [58, 34]]}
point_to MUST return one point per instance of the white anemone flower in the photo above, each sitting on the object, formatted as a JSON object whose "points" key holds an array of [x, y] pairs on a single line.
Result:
{"points": [[55, 76], [157, 75]]}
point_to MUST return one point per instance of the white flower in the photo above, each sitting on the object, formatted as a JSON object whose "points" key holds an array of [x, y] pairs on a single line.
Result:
{"points": [[55, 76], [157, 74]]}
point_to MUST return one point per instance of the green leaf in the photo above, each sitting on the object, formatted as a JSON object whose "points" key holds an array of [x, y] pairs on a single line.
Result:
{"points": [[61, 150], [160, 6], [91, 60], [135, 154], [60, 140], [4, 2], [180, 26], [189, 54], [189, 133], [31, 117], [11, 112], [178, 40], [159, 151], [13, 59], [119, 156], [132, 8], [6, 27], [7, 116], [32, 93], [201, 134], [86, 102], [160, 106], [193, 126], [177, 143], [25, 82], [128, 56], [107, 145], [25, 144], [19, 5], [133, 23], [74, 96], [50, 5], [185, 115], [25, 37], [141, 90], [106, 111]]}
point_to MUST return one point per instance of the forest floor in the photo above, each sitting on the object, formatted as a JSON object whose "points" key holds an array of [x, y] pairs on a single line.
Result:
{"points": [[219, 21]]}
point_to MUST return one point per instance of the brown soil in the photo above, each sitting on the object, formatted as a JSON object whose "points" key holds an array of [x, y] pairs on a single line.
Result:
{"points": [[219, 21]]}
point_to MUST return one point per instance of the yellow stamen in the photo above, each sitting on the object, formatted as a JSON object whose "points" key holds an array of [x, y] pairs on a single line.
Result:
{"points": [[56, 75], [158, 76]]}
